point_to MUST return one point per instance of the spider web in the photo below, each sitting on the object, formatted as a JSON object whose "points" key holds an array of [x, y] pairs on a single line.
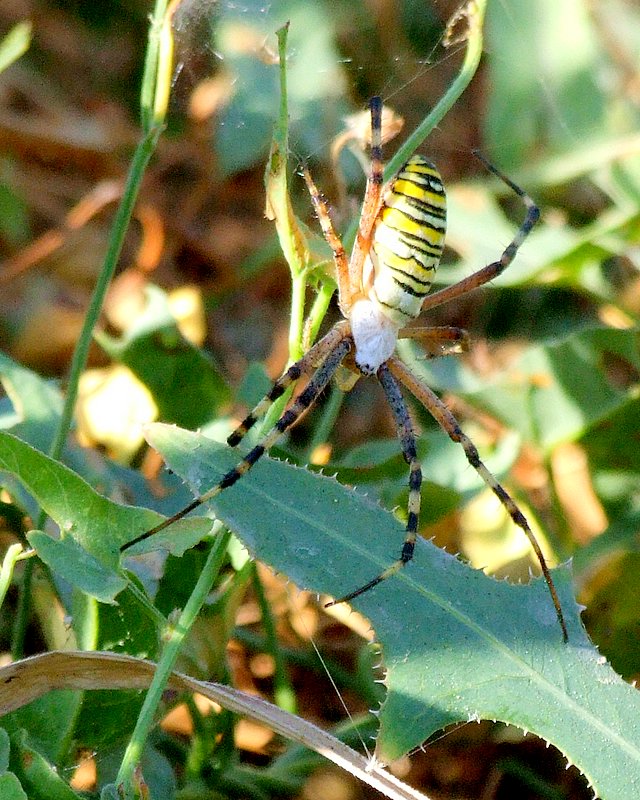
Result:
{"points": [[232, 43]]}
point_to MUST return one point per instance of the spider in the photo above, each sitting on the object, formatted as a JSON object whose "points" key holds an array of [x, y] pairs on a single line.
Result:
{"points": [[382, 287]]}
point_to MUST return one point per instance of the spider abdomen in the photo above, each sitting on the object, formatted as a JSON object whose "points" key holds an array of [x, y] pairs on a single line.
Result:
{"points": [[408, 240]]}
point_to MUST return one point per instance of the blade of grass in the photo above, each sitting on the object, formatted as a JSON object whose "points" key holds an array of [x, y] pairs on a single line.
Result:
{"points": [[133, 753], [473, 12], [158, 66], [291, 238]]}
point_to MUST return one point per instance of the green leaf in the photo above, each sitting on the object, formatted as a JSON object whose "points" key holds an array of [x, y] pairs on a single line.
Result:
{"points": [[315, 78], [110, 792], [612, 445], [71, 562], [37, 404], [619, 538], [50, 720], [476, 228], [457, 645], [39, 777], [612, 614], [383, 468], [532, 63], [184, 382], [14, 215], [92, 527], [107, 718], [246, 121], [4, 750], [10, 788]]}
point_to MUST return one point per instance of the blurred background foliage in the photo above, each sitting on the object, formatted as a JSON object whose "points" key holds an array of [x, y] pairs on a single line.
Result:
{"points": [[196, 322]]}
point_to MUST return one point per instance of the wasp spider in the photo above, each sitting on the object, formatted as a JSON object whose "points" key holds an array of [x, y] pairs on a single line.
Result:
{"points": [[382, 287]]}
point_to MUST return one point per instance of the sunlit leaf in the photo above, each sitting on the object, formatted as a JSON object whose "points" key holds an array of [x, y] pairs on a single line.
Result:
{"points": [[92, 527], [185, 384], [532, 60], [554, 392]]}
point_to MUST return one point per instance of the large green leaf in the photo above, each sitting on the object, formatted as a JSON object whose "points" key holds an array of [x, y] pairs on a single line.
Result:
{"points": [[457, 644], [50, 719], [10, 788], [87, 554]]}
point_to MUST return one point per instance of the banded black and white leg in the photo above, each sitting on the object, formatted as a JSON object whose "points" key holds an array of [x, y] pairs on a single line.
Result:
{"points": [[321, 363], [496, 268], [451, 427], [406, 435]]}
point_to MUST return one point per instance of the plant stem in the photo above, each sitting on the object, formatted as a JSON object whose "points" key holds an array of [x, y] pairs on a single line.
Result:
{"points": [[318, 312], [156, 64], [283, 691], [205, 581], [8, 565], [473, 12]]}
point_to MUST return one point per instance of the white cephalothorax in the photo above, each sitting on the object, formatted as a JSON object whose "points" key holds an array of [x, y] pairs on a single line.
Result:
{"points": [[374, 335]]}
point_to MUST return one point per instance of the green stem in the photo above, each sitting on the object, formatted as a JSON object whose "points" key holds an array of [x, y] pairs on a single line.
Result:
{"points": [[289, 239], [283, 691], [156, 64], [296, 323], [327, 420], [23, 609], [276, 183], [318, 312], [165, 666], [8, 565], [152, 66], [474, 15], [141, 158]]}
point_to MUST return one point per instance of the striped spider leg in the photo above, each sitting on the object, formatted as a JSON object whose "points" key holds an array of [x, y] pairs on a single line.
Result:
{"points": [[329, 351], [383, 286]]}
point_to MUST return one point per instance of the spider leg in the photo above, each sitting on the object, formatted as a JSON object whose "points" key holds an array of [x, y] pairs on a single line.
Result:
{"points": [[337, 350], [438, 341], [496, 268], [407, 438], [333, 240], [449, 424], [371, 202], [304, 366]]}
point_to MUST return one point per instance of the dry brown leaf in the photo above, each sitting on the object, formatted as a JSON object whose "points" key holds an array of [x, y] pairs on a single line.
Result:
{"points": [[24, 681]]}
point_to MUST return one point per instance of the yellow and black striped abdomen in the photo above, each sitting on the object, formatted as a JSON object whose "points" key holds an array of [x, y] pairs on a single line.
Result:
{"points": [[408, 240]]}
